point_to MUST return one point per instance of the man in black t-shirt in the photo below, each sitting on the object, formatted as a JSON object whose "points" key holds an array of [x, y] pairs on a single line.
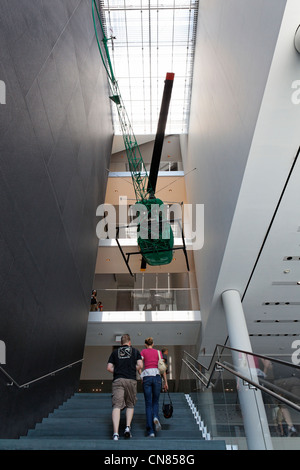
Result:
{"points": [[124, 363]]}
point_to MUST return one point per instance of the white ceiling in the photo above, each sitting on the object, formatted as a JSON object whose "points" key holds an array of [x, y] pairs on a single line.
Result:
{"points": [[265, 228], [272, 299]]}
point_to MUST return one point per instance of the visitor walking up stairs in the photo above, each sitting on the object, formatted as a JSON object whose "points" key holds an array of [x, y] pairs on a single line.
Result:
{"points": [[84, 423]]}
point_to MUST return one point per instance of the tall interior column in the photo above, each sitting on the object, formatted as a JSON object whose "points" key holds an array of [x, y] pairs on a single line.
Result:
{"points": [[252, 406]]}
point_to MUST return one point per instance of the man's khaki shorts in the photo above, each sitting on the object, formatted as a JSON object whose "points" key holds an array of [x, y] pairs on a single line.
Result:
{"points": [[124, 393]]}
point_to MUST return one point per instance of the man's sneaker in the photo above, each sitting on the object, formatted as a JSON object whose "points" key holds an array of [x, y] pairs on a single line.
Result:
{"points": [[127, 432], [151, 434], [292, 431], [116, 437], [157, 424]]}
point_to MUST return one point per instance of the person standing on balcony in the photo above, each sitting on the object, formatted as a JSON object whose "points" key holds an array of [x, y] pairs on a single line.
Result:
{"points": [[94, 301], [124, 363], [152, 384]]}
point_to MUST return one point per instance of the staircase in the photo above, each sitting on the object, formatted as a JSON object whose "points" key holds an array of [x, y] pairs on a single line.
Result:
{"points": [[84, 423]]}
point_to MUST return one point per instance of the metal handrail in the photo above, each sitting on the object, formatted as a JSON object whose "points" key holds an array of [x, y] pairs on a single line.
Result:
{"points": [[244, 378], [196, 372], [257, 385], [27, 384], [279, 361]]}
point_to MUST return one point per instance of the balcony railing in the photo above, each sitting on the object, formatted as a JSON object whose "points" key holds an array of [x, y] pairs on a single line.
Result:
{"points": [[214, 393], [164, 166], [167, 299]]}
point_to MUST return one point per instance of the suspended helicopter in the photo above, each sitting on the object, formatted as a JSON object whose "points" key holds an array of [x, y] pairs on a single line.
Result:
{"points": [[155, 236]]}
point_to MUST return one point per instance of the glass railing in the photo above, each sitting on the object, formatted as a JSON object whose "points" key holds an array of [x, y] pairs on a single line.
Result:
{"points": [[164, 166], [216, 396], [167, 299]]}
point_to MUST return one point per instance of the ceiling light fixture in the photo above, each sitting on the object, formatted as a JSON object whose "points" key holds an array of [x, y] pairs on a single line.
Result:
{"points": [[297, 39]]}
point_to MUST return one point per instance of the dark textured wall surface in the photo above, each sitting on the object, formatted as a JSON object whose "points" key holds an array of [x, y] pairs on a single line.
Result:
{"points": [[55, 143], [235, 46]]}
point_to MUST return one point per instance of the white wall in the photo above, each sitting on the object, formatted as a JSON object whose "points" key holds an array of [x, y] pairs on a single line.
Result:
{"points": [[235, 45], [94, 363]]}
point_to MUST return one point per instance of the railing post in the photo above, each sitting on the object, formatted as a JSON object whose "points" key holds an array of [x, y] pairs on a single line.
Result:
{"points": [[252, 406]]}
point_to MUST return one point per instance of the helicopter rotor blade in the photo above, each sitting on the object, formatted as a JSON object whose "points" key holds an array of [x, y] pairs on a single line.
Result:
{"points": [[143, 265], [160, 133]]}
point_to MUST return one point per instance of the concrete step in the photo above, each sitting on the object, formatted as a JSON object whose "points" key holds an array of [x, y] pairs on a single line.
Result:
{"points": [[84, 422], [107, 400], [88, 430], [106, 415], [175, 397], [146, 444]]}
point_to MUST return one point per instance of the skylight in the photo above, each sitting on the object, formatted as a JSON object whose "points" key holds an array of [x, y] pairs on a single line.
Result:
{"points": [[152, 39]]}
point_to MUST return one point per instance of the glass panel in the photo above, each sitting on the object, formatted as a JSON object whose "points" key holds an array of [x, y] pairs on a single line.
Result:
{"points": [[217, 391]]}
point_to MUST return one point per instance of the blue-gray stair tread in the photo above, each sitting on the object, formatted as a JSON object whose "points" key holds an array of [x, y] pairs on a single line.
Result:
{"points": [[84, 422], [95, 401], [106, 410], [98, 432], [102, 413], [89, 397], [109, 444]]}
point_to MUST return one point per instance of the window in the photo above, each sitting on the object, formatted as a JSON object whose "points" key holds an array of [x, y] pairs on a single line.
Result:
{"points": [[152, 39]]}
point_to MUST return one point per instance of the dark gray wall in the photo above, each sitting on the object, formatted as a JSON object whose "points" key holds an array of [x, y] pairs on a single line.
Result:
{"points": [[55, 143]]}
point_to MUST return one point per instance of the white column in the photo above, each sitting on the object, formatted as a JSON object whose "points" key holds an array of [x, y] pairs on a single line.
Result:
{"points": [[252, 406]]}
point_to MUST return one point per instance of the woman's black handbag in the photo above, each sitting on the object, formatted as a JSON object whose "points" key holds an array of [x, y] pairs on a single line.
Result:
{"points": [[167, 408]]}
